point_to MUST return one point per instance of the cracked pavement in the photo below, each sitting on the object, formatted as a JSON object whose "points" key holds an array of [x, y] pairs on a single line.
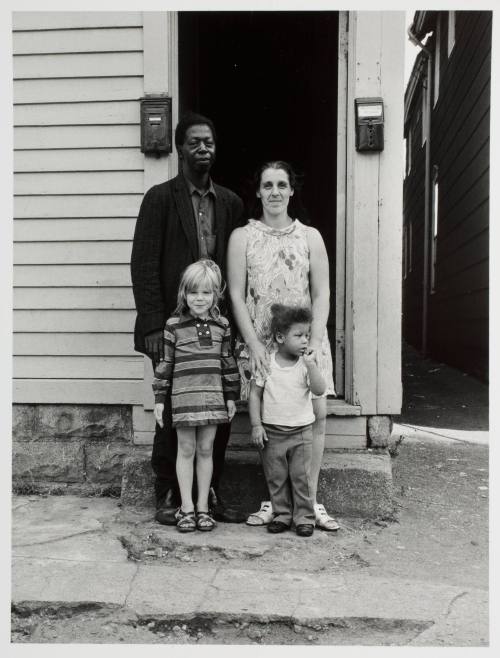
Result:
{"points": [[419, 579]]}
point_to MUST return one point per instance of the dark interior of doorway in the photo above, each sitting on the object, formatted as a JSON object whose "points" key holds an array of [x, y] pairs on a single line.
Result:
{"points": [[268, 80]]}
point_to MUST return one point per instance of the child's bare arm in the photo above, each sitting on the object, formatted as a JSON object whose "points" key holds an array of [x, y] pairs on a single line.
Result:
{"points": [[316, 381], [254, 411]]}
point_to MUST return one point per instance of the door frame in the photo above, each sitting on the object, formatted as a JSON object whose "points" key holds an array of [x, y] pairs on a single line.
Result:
{"points": [[161, 75]]}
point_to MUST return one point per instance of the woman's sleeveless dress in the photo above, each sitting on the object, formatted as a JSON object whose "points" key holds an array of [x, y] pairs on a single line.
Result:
{"points": [[277, 271]]}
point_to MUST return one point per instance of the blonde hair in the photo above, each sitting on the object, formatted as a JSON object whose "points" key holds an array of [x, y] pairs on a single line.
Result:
{"points": [[203, 272]]}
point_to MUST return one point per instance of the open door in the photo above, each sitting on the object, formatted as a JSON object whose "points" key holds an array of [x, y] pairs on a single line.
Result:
{"points": [[269, 81]]}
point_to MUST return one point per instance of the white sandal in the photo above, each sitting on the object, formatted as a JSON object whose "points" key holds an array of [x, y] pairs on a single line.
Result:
{"points": [[323, 520], [263, 516]]}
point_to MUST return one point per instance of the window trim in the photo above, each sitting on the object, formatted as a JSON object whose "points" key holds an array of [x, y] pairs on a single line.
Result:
{"points": [[437, 57], [434, 227], [452, 17]]}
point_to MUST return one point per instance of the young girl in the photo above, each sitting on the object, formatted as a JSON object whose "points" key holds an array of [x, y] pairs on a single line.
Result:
{"points": [[203, 377]]}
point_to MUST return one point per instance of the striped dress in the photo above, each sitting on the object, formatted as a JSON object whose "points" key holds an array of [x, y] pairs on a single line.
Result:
{"points": [[199, 369]]}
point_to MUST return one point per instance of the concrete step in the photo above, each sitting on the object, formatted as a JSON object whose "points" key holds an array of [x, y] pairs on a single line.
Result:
{"points": [[351, 483]]}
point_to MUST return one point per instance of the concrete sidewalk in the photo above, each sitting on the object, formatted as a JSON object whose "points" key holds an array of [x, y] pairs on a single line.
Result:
{"points": [[70, 552], [418, 577]]}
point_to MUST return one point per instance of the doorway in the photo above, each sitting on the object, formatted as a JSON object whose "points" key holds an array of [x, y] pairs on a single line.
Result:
{"points": [[269, 82]]}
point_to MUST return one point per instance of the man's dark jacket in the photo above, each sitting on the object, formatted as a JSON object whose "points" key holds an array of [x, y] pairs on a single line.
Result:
{"points": [[166, 242]]}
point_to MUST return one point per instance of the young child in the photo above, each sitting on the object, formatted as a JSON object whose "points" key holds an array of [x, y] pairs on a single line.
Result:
{"points": [[281, 414], [203, 377]]}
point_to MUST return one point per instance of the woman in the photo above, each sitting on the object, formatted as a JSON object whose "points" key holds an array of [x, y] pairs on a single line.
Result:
{"points": [[279, 259]]}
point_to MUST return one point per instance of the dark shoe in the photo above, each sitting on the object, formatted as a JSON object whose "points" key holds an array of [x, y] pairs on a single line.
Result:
{"points": [[277, 526], [166, 511], [304, 529], [222, 513]]}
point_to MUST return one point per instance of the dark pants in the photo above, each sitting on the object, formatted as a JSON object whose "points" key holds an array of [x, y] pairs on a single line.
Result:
{"points": [[286, 459], [165, 454]]}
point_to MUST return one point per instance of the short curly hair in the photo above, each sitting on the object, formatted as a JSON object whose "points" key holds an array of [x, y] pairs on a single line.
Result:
{"points": [[283, 317]]}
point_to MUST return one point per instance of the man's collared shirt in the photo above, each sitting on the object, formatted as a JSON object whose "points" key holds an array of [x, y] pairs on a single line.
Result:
{"points": [[204, 212]]}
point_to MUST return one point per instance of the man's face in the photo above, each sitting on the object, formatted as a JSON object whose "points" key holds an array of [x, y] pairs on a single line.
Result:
{"points": [[197, 154]]}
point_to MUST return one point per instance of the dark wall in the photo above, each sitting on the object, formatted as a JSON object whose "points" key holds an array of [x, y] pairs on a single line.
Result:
{"points": [[413, 211], [458, 307]]}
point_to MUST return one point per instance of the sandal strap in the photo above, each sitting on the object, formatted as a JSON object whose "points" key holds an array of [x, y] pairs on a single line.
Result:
{"points": [[204, 519], [186, 519]]}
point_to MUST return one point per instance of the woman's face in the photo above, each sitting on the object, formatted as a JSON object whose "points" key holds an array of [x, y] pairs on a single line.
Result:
{"points": [[274, 191]]}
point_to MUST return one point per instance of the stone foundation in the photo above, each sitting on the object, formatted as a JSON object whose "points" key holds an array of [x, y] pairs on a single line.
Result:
{"points": [[65, 448]]}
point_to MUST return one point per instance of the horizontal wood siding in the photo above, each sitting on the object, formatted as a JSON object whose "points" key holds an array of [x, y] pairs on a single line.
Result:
{"points": [[460, 128], [459, 308], [78, 183]]}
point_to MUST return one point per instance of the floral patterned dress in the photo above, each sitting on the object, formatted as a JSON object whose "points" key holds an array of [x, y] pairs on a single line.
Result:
{"points": [[277, 271]]}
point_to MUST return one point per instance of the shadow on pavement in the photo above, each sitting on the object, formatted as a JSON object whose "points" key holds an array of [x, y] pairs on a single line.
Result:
{"points": [[436, 395]]}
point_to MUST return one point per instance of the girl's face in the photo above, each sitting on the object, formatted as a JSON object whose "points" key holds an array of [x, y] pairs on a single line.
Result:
{"points": [[274, 191], [200, 300], [296, 339]]}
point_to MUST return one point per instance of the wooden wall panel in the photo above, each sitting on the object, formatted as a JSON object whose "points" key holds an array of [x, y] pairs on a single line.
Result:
{"points": [[57, 276], [74, 20], [70, 344], [66, 90], [113, 39], [78, 184], [67, 229], [71, 114]]}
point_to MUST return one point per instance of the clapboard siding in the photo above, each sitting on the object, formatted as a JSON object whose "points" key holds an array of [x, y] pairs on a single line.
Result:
{"points": [[88, 65], [103, 205], [78, 184], [75, 137], [60, 114], [460, 124], [92, 182], [55, 20], [57, 276], [53, 41], [78, 321], [73, 298], [70, 344], [78, 367], [96, 159], [79, 90], [72, 230], [53, 253], [83, 391]]}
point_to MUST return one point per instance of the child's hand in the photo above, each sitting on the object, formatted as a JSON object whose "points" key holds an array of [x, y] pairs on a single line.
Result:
{"points": [[310, 358], [231, 409], [159, 406], [259, 436]]}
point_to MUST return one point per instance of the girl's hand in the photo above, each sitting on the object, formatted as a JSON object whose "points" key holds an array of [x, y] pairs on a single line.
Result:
{"points": [[312, 353], [159, 406], [310, 358], [259, 360], [259, 436], [231, 409]]}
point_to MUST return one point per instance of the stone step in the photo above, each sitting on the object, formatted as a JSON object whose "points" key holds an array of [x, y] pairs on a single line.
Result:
{"points": [[351, 483]]}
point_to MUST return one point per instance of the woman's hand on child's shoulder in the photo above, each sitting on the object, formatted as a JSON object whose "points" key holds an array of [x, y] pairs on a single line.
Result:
{"points": [[231, 409], [159, 406]]}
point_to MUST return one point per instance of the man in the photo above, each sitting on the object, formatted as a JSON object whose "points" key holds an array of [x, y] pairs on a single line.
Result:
{"points": [[180, 221]]}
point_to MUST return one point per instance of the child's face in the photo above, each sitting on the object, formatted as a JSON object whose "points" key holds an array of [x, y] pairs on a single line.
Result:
{"points": [[200, 300], [296, 339]]}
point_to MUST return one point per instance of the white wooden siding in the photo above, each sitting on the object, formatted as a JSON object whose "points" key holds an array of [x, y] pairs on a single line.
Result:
{"points": [[78, 184], [55, 276]]}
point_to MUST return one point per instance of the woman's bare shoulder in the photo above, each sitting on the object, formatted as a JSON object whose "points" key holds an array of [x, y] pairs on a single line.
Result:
{"points": [[239, 235], [313, 235]]}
